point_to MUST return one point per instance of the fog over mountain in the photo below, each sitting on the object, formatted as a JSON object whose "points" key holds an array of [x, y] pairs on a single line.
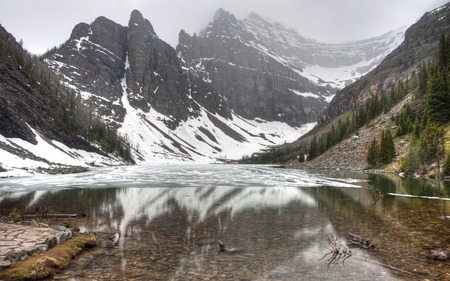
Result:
{"points": [[43, 25]]}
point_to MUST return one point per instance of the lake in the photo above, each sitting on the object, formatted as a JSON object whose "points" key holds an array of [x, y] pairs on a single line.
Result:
{"points": [[170, 218]]}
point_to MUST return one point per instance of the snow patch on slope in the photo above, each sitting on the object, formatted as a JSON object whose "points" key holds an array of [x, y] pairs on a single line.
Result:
{"points": [[46, 154], [207, 138]]}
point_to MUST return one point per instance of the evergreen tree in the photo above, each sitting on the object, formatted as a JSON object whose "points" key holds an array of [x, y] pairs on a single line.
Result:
{"points": [[372, 153], [438, 100], [386, 151], [446, 168], [390, 146], [443, 55], [383, 158], [313, 148]]}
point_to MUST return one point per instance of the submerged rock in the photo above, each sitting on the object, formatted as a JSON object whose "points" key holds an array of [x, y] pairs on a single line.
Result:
{"points": [[441, 254]]}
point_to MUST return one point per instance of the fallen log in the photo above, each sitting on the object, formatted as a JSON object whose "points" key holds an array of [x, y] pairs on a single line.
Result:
{"points": [[50, 215]]}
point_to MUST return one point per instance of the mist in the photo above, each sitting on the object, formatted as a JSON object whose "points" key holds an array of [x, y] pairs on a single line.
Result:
{"points": [[45, 24]]}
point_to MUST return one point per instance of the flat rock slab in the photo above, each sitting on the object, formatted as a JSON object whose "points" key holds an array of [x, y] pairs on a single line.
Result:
{"points": [[19, 241]]}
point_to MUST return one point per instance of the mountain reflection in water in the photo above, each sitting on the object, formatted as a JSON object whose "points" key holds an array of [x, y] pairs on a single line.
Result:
{"points": [[167, 216]]}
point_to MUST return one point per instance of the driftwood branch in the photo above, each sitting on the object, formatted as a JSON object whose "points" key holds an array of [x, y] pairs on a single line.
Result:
{"points": [[388, 266], [93, 258], [338, 248], [340, 251], [376, 191], [48, 215]]}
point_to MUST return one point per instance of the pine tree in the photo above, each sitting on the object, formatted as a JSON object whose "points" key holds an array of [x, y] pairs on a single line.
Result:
{"points": [[443, 56], [446, 168], [382, 151], [438, 100], [313, 148], [372, 153], [390, 146]]}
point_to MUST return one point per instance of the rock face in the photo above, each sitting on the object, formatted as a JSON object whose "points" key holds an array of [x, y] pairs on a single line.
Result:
{"points": [[254, 83], [104, 58], [266, 70], [419, 46]]}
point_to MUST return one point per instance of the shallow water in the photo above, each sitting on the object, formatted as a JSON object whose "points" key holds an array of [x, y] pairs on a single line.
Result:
{"points": [[171, 216]]}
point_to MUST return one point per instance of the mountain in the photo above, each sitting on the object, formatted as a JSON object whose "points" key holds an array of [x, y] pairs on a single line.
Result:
{"points": [[38, 125], [336, 65], [137, 83], [284, 76], [238, 88]]}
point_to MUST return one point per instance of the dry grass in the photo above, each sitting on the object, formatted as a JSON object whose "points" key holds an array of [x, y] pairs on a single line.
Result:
{"points": [[49, 263]]}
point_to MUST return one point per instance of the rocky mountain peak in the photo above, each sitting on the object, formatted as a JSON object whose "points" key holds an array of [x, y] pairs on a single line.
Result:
{"points": [[224, 23], [109, 35], [257, 18], [222, 16], [80, 30], [138, 21]]}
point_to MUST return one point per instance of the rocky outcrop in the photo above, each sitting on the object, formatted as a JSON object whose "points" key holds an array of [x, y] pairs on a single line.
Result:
{"points": [[93, 59]]}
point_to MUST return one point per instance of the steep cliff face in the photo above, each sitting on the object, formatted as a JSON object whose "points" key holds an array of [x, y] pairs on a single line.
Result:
{"points": [[420, 45], [93, 61], [255, 82], [98, 58]]}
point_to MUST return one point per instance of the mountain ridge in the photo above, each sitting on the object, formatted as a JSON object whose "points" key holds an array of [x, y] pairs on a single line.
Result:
{"points": [[142, 88], [210, 100]]}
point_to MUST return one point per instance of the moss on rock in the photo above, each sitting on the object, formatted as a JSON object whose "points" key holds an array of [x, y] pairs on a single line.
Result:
{"points": [[49, 263]]}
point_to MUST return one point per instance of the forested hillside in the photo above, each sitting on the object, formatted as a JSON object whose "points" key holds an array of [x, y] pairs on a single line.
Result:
{"points": [[409, 124], [33, 100]]}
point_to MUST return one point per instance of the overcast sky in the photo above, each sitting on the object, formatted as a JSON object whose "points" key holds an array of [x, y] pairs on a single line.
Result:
{"points": [[43, 24]]}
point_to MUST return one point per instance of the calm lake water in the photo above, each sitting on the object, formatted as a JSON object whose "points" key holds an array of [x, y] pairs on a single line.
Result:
{"points": [[171, 216]]}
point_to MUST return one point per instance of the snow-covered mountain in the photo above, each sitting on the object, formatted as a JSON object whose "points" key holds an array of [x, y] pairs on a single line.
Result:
{"points": [[135, 82], [266, 70], [334, 64], [238, 88]]}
